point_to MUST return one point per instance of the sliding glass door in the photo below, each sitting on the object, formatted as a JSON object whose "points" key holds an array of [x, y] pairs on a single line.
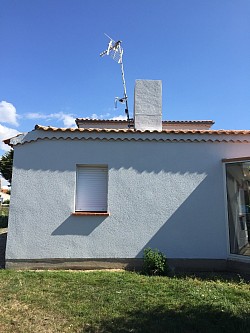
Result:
{"points": [[238, 199]]}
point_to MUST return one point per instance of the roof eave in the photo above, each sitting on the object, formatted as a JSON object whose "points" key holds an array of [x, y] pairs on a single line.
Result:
{"points": [[7, 142]]}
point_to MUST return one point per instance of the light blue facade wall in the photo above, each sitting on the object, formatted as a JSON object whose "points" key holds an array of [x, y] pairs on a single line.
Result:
{"points": [[166, 195]]}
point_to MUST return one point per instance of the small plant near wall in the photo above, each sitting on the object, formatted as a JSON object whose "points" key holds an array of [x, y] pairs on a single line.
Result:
{"points": [[154, 262]]}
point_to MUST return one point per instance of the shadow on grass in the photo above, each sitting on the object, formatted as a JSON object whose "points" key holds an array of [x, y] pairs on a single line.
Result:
{"points": [[203, 319], [3, 238], [212, 276]]}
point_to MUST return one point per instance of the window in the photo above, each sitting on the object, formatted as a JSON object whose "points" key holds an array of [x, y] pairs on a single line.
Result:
{"points": [[91, 188]]}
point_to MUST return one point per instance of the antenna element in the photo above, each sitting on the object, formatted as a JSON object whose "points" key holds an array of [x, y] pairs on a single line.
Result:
{"points": [[115, 51]]}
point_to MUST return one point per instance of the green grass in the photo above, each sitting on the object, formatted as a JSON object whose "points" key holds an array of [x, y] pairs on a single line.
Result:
{"points": [[60, 301], [4, 212]]}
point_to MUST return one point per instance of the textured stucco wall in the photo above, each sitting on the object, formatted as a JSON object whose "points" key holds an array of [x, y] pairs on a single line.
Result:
{"points": [[164, 195]]}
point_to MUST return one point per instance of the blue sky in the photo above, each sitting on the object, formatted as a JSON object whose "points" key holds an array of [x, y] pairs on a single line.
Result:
{"points": [[51, 72]]}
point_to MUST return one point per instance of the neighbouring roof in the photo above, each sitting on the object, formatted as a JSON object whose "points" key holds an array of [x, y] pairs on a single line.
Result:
{"points": [[211, 122], [168, 135], [121, 124], [4, 190]]}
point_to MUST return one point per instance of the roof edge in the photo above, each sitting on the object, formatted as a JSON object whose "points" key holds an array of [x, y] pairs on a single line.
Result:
{"points": [[167, 131], [15, 139], [164, 121]]}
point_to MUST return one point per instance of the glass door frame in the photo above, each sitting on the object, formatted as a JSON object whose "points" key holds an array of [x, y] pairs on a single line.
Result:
{"points": [[226, 161]]}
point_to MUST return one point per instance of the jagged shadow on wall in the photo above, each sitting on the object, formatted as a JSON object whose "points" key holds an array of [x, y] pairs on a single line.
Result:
{"points": [[143, 156]]}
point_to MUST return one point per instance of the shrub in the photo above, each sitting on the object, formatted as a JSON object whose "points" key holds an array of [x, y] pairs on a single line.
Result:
{"points": [[154, 262], [3, 221], [4, 212]]}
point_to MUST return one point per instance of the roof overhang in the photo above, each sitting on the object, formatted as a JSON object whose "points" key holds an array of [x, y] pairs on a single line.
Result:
{"points": [[177, 135]]}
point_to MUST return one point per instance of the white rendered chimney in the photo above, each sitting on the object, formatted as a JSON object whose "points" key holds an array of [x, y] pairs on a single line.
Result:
{"points": [[148, 105]]}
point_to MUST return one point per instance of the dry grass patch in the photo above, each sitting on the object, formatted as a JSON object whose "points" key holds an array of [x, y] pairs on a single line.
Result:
{"points": [[18, 317], [3, 230]]}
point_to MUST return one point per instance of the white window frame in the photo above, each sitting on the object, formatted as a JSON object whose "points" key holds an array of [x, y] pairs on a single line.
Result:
{"points": [[91, 193]]}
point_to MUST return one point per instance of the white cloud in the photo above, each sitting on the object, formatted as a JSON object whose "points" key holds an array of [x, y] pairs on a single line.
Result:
{"points": [[6, 133], [67, 119], [36, 116], [107, 116], [8, 113], [120, 117]]}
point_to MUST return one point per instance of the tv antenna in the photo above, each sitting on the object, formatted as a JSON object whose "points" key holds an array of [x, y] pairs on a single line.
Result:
{"points": [[115, 51]]}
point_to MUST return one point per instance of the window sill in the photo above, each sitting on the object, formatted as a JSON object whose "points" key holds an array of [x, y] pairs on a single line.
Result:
{"points": [[91, 214]]}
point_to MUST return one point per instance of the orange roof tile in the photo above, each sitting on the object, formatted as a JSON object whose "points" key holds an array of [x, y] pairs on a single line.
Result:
{"points": [[172, 131], [205, 135]]}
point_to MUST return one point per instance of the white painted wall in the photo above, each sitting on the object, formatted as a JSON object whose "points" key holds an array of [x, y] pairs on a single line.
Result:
{"points": [[148, 105], [166, 195]]}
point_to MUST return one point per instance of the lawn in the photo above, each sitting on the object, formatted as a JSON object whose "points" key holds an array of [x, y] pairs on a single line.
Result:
{"points": [[73, 301], [4, 212]]}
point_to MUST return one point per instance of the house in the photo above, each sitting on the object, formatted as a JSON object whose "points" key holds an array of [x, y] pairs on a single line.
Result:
{"points": [[99, 194], [4, 194]]}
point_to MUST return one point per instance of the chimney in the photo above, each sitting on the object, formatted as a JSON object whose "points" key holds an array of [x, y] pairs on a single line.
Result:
{"points": [[148, 105]]}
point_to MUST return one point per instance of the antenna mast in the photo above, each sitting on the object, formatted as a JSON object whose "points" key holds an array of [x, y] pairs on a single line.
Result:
{"points": [[115, 50]]}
